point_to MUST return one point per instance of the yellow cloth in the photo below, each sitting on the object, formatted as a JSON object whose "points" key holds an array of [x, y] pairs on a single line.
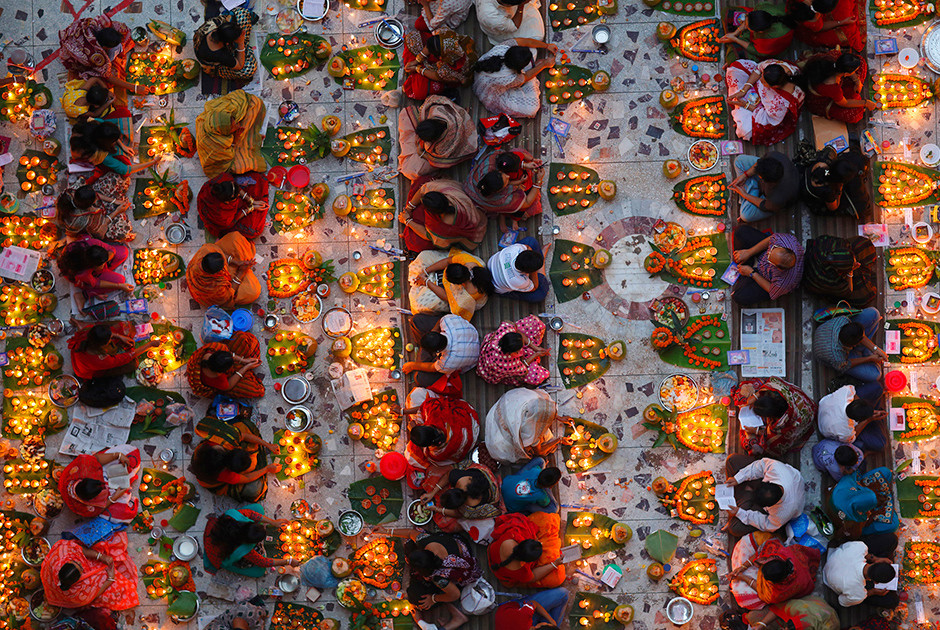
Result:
{"points": [[219, 289], [228, 136], [73, 92]]}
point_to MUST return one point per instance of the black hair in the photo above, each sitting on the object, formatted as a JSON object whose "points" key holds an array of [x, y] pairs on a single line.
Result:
{"points": [[79, 145], [80, 256], [859, 410], [97, 95], [851, 334], [770, 404], [759, 21], [515, 58], [225, 191], [69, 574], [801, 13], [478, 488], [453, 498], [105, 136], [425, 436], [213, 262], [210, 459], [491, 183], [227, 33], [80, 198], [228, 534], [819, 70], [88, 489], [455, 273], [881, 572], [777, 570], [98, 336], [220, 361], [548, 477], [108, 37], [511, 342], [430, 129], [508, 162], [424, 562], [528, 550], [434, 45], [842, 170], [767, 494], [824, 6], [846, 456], [776, 75], [433, 342], [437, 203], [529, 261], [482, 279], [732, 620], [847, 63], [83, 197], [769, 169]]}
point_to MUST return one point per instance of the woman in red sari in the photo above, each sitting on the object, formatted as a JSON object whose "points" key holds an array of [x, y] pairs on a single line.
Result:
{"points": [[789, 416], [765, 101], [98, 47], [786, 572], [506, 183], [434, 63], [90, 566], [829, 23], [87, 492], [226, 368], [439, 215], [526, 550], [234, 204], [103, 350], [834, 83], [446, 432]]}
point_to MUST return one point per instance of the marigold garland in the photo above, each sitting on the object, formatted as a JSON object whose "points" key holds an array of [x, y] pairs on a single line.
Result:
{"points": [[922, 342], [704, 589], [921, 419], [928, 508], [698, 41], [706, 195], [655, 262], [900, 185], [906, 268], [701, 117]]}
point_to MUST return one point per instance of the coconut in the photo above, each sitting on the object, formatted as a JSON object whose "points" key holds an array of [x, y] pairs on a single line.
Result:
{"points": [[341, 568], [624, 613], [324, 527], [342, 205], [178, 576], [621, 533], [342, 348], [672, 169], [348, 282], [664, 30], [607, 443], [602, 259], [668, 99], [600, 81], [320, 192], [336, 67], [340, 147], [190, 68], [331, 124], [607, 189], [655, 571]]}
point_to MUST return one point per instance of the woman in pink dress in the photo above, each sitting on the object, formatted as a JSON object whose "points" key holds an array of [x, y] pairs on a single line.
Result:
{"points": [[510, 355]]}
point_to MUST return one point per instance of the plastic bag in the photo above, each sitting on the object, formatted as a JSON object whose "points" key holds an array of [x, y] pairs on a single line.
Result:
{"points": [[217, 325], [478, 598], [318, 573], [802, 531]]}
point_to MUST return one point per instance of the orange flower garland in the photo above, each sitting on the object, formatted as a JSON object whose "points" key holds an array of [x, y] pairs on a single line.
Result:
{"points": [[700, 430], [655, 262], [698, 581], [929, 505], [287, 277], [892, 91], [662, 338], [705, 196], [922, 562], [698, 41], [697, 487], [891, 12], [900, 185], [921, 342], [921, 420], [909, 268], [701, 117]]}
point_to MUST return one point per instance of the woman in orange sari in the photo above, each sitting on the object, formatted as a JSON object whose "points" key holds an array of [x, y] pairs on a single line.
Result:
{"points": [[446, 432], [220, 273], [90, 566], [225, 368], [86, 491], [526, 550]]}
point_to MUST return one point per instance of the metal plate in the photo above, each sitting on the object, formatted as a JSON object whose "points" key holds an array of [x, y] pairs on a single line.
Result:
{"points": [[337, 322], [313, 10], [185, 548], [930, 47], [389, 33]]}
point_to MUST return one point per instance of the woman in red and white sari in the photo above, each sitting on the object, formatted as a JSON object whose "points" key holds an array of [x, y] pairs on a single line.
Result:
{"points": [[444, 434], [766, 102]]}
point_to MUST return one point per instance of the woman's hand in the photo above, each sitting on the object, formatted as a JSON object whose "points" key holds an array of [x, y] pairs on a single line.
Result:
{"points": [[421, 281], [871, 105], [273, 468], [552, 48], [273, 448], [426, 498], [412, 66], [253, 364], [127, 287]]}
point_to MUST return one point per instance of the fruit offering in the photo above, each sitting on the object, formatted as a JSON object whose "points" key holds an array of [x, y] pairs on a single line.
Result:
{"points": [[35, 169], [702, 117], [592, 611], [370, 146], [22, 305], [595, 533], [702, 343], [581, 359], [369, 68], [702, 429], [29, 366], [700, 262], [378, 347], [918, 340], [288, 146], [381, 280], [18, 101], [705, 195], [573, 271], [289, 352], [174, 346], [909, 267], [566, 83], [379, 420], [590, 445], [21, 477], [892, 91], [291, 56], [698, 41], [303, 539], [153, 266], [293, 211], [571, 188], [160, 490], [300, 453], [903, 185], [900, 13], [692, 498], [156, 413], [156, 195], [921, 563], [919, 496], [161, 71], [697, 581], [374, 208], [30, 412], [566, 14], [921, 419], [380, 562]]}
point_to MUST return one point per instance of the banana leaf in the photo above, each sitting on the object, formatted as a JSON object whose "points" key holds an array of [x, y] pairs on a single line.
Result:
{"points": [[703, 117], [661, 545], [915, 11], [175, 347], [571, 262], [380, 562], [363, 143], [313, 543], [380, 76], [33, 413], [183, 605], [909, 494], [559, 177], [297, 451], [580, 535], [695, 195], [305, 145], [930, 424], [159, 258], [16, 372], [26, 477], [377, 499], [927, 177], [384, 407], [700, 8], [594, 601], [582, 12], [930, 349], [709, 30], [160, 490], [28, 231], [566, 81], [153, 423], [293, 359], [374, 208], [380, 357], [287, 616], [583, 454], [301, 52], [703, 344], [592, 367]]}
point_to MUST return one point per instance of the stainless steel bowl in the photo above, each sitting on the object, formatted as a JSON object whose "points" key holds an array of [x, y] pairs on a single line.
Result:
{"points": [[186, 548], [556, 323], [287, 582], [303, 421], [295, 390], [175, 233], [601, 34], [271, 321], [679, 610], [313, 10], [389, 33], [355, 532]]}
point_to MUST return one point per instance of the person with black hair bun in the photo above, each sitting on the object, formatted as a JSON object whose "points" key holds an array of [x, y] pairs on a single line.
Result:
{"points": [[823, 181], [529, 490], [103, 144], [837, 458], [765, 30], [440, 215], [454, 282], [526, 550], [98, 47], [506, 79], [228, 470], [88, 492], [102, 350], [437, 134], [450, 345], [442, 433], [835, 86], [233, 541], [440, 567], [91, 265], [854, 569], [237, 203], [787, 412], [511, 354], [783, 572], [470, 493], [84, 98], [224, 46], [766, 99], [436, 63], [805, 613], [507, 184], [226, 367], [832, 24], [220, 273]]}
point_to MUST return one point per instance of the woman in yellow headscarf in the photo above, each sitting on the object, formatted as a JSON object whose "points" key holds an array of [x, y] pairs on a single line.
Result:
{"points": [[228, 134]]}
